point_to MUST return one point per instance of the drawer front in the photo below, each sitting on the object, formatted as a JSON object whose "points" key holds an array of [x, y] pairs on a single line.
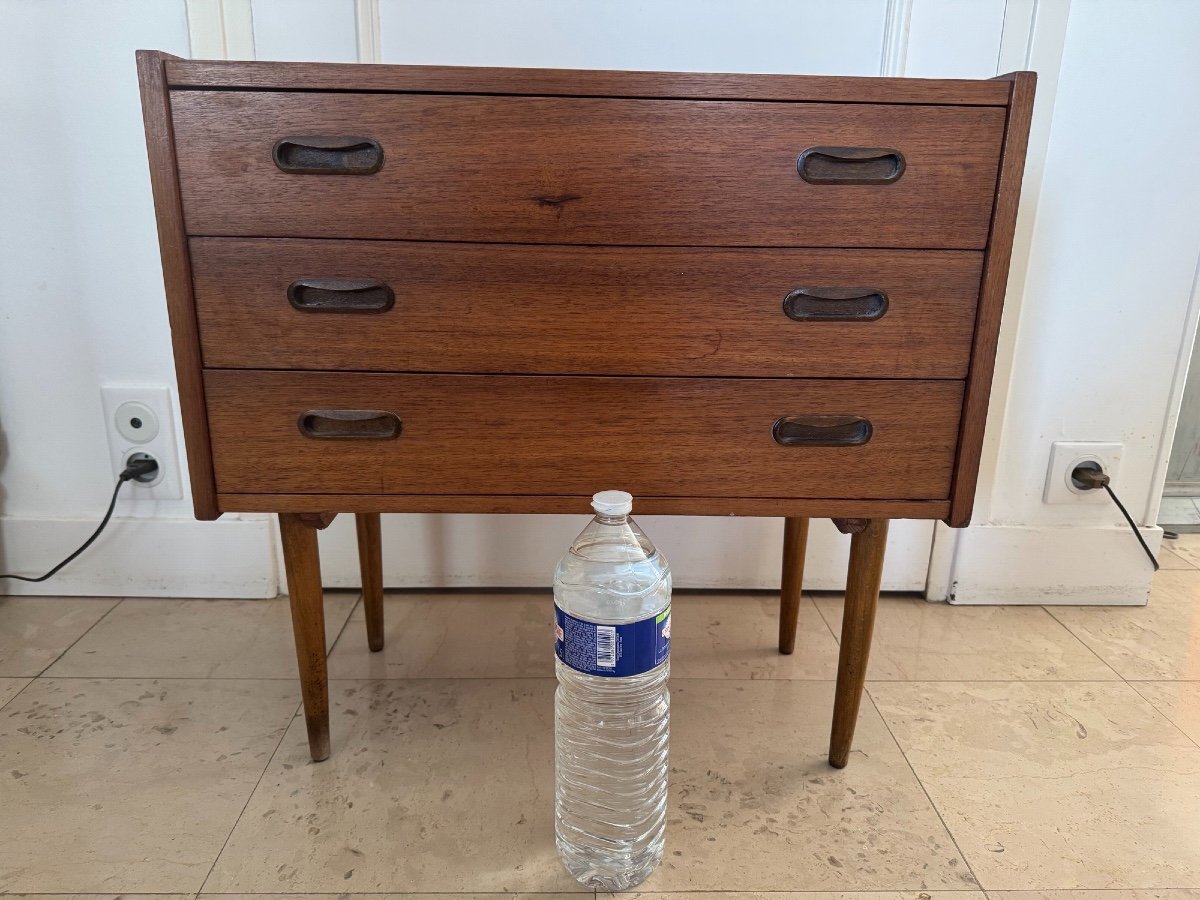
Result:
{"points": [[585, 170], [429, 307], [314, 433]]}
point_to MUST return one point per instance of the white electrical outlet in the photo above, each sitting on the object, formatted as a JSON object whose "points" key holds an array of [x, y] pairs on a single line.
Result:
{"points": [[1065, 456], [139, 420]]}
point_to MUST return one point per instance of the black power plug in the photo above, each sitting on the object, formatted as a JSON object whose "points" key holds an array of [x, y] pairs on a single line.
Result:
{"points": [[1089, 476]]}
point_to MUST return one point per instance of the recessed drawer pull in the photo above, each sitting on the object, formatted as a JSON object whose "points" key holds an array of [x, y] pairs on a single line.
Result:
{"points": [[821, 431], [352, 295], [819, 304], [323, 155], [364, 424], [850, 165]]}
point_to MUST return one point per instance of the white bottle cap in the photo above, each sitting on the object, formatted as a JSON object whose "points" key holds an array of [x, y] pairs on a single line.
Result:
{"points": [[612, 503]]}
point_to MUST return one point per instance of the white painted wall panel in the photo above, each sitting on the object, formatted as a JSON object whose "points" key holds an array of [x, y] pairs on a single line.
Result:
{"points": [[81, 292], [81, 304], [800, 36], [954, 38], [1114, 255], [305, 30]]}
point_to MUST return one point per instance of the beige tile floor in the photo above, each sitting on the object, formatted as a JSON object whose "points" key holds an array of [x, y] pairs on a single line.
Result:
{"points": [[154, 748]]}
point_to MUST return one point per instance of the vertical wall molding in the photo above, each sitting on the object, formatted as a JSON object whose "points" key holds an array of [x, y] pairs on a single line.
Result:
{"points": [[1183, 362], [897, 20], [366, 27], [220, 29], [1016, 38], [1033, 36]]}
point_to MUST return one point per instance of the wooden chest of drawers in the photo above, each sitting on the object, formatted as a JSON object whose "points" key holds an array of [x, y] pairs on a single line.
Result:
{"points": [[482, 290]]}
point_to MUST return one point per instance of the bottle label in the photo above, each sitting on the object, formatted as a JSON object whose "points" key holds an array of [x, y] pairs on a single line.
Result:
{"points": [[614, 651]]}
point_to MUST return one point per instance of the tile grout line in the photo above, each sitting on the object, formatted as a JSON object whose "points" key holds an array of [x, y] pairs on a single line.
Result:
{"points": [[282, 735], [1125, 681], [1130, 684], [924, 790], [1090, 649], [1189, 565], [346, 624], [1168, 719], [250, 795], [32, 679], [817, 606], [341, 631], [86, 632]]}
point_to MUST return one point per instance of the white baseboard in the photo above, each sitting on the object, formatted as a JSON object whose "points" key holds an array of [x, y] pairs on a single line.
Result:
{"points": [[235, 557], [1077, 566], [142, 557]]}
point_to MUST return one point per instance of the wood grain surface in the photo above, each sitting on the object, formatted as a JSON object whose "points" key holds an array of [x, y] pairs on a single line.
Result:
{"points": [[795, 542], [474, 434], [814, 507], [370, 567], [992, 291], [867, 548], [496, 308], [586, 171], [577, 83], [177, 280], [303, 564]]}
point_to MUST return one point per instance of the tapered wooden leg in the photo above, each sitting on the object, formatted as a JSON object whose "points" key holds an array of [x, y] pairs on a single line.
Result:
{"points": [[795, 538], [858, 619], [370, 563], [303, 566]]}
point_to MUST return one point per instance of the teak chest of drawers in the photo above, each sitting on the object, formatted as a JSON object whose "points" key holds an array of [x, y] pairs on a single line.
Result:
{"points": [[425, 289]]}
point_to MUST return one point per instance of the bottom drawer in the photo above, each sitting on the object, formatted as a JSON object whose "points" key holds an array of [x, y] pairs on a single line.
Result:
{"points": [[352, 433]]}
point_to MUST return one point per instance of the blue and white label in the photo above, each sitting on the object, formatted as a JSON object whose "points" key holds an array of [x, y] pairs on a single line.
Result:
{"points": [[614, 651]]}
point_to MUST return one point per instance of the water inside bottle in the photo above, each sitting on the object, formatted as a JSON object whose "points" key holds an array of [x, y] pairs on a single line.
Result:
{"points": [[612, 593]]}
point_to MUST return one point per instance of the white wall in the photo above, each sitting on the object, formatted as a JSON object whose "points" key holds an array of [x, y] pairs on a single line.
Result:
{"points": [[1103, 271], [81, 303], [1107, 310]]}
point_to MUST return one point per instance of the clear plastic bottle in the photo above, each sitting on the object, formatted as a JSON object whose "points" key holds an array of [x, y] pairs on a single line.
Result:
{"points": [[612, 599]]}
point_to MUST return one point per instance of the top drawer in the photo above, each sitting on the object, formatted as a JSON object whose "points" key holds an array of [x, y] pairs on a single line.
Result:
{"points": [[586, 170]]}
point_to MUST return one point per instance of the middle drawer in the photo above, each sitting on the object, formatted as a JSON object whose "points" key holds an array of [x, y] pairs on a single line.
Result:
{"points": [[537, 309]]}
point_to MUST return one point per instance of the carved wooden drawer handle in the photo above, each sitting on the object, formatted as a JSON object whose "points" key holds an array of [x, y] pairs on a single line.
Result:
{"points": [[328, 155], [352, 424], [351, 295], [819, 304], [850, 165], [821, 431]]}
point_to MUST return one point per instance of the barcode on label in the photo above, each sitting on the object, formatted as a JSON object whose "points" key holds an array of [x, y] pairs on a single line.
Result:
{"points": [[606, 646]]}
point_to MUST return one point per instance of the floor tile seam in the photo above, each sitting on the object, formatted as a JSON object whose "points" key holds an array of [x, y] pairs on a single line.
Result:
{"points": [[345, 624], [117, 602], [296, 711], [30, 680], [1067, 628], [1154, 706], [924, 790], [828, 627]]}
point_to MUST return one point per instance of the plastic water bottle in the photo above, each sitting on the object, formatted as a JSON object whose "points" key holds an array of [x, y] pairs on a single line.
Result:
{"points": [[612, 609]]}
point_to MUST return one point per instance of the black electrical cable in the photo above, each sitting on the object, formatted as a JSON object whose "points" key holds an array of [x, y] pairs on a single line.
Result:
{"points": [[135, 469], [1089, 476], [1136, 533]]}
